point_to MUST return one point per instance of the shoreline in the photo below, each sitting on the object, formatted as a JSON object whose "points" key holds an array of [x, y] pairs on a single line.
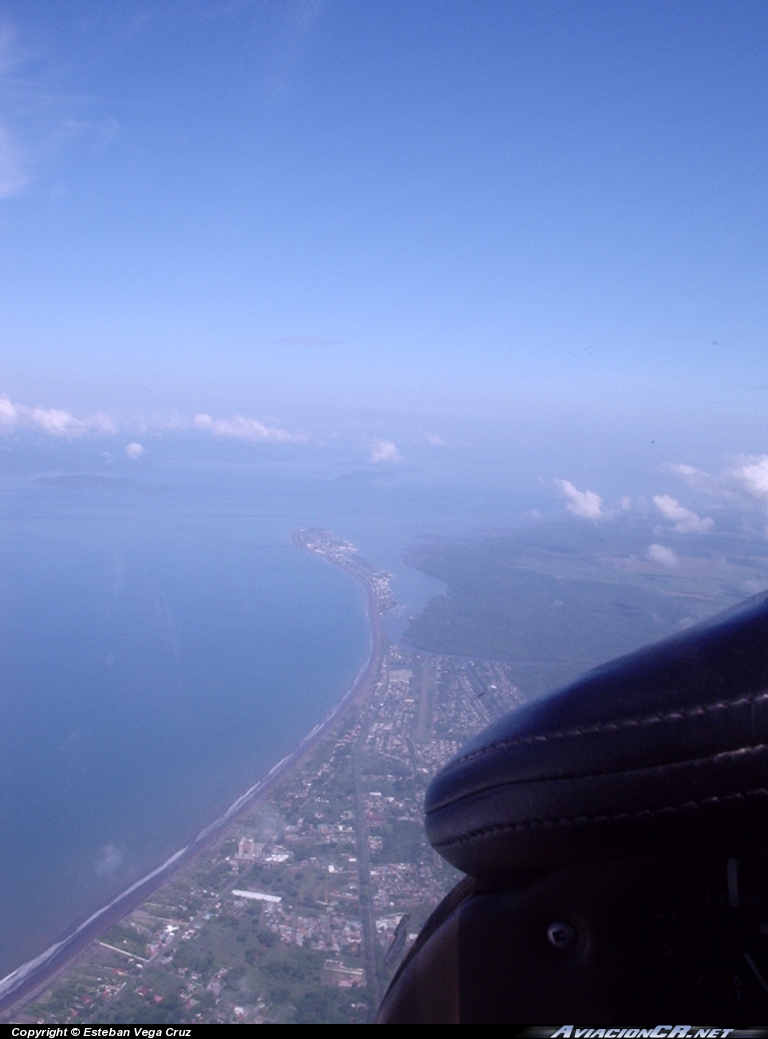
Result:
{"points": [[31, 977]]}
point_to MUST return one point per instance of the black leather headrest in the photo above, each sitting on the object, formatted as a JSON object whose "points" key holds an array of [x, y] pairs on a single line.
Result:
{"points": [[658, 749]]}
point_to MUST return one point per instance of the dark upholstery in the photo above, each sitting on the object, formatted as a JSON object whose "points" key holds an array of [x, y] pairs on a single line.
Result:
{"points": [[571, 809], [667, 744]]}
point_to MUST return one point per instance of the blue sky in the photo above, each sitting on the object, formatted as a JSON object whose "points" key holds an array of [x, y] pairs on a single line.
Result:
{"points": [[327, 214]]}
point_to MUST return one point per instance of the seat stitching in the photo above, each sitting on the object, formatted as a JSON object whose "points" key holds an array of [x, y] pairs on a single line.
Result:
{"points": [[577, 820], [615, 726], [626, 773]]}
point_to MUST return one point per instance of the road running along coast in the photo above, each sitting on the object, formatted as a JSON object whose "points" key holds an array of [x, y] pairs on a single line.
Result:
{"points": [[31, 977]]}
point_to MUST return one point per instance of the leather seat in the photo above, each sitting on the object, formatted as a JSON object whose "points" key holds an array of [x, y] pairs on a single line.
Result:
{"points": [[615, 839], [666, 745]]}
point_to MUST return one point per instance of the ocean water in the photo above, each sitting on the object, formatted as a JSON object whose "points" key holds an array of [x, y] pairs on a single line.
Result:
{"points": [[162, 645], [159, 652]]}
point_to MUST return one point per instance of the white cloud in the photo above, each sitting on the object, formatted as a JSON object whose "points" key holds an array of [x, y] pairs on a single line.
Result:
{"points": [[663, 555], [134, 451], [585, 504], [384, 451], [9, 414], [436, 439], [57, 422], [752, 474], [684, 520], [240, 428]]}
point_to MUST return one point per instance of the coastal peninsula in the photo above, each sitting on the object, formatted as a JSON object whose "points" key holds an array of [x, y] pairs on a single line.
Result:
{"points": [[297, 904]]}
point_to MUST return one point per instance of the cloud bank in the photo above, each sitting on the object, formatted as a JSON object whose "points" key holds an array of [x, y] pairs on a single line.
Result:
{"points": [[55, 422], [58, 422]]}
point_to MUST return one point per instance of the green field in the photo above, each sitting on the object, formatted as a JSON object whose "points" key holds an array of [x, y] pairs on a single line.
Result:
{"points": [[556, 601]]}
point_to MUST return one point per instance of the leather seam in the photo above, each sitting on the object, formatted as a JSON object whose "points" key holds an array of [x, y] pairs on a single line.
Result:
{"points": [[653, 771], [601, 727], [578, 820]]}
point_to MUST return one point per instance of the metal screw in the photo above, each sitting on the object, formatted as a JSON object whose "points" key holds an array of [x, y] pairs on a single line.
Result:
{"points": [[561, 935]]}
